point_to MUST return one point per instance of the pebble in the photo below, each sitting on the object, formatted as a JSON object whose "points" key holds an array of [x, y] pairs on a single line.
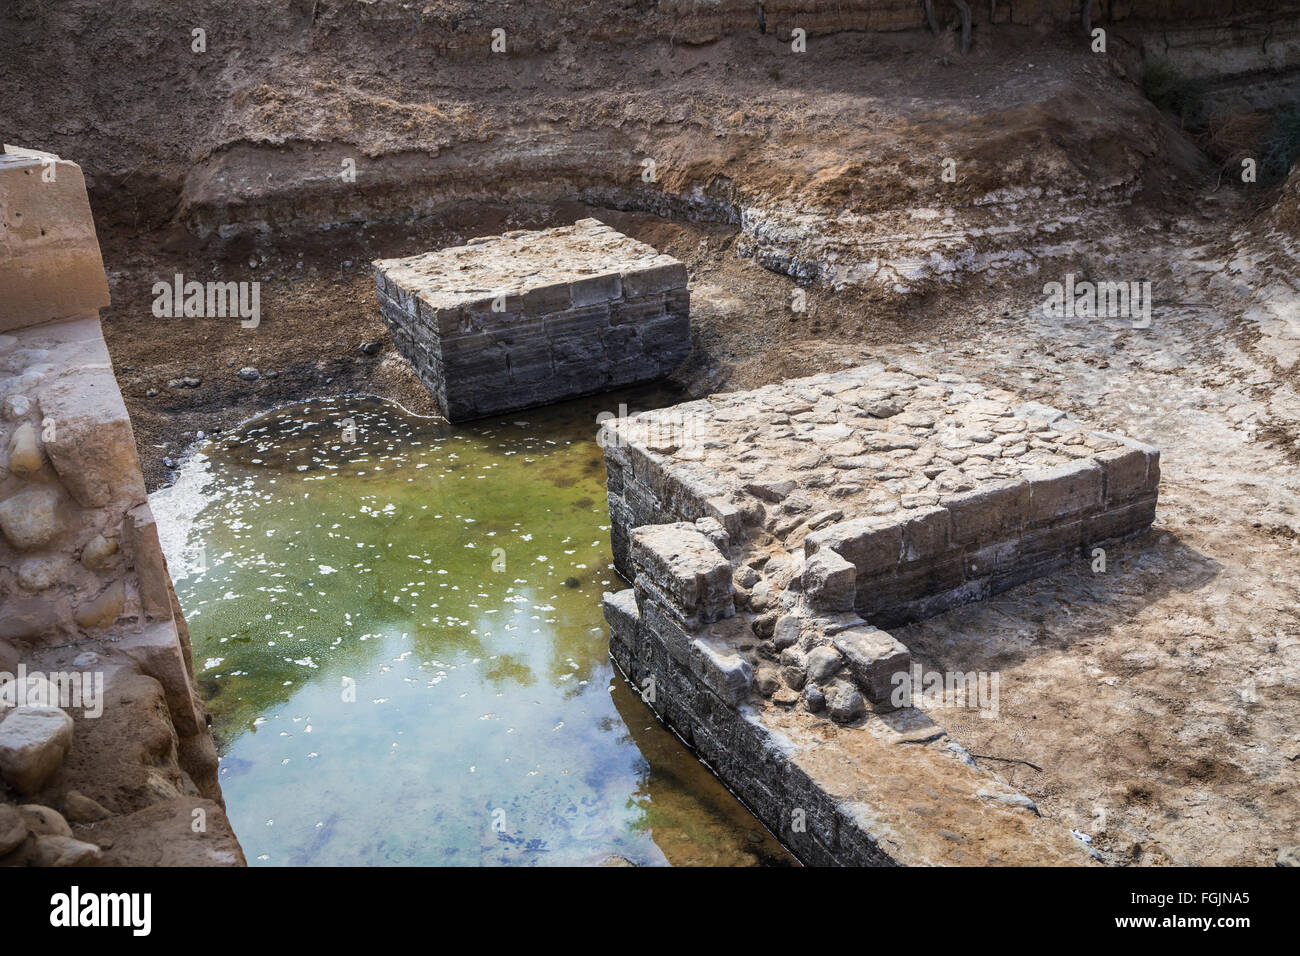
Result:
{"points": [[79, 808], [249, 374]]}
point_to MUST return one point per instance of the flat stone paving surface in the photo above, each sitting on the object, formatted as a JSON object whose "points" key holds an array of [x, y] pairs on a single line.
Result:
{"points": [[519, 262], [864, 441]]}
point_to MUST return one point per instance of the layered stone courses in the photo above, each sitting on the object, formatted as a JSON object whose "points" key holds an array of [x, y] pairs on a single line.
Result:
{"points": [[770, 534], [532, 317]]}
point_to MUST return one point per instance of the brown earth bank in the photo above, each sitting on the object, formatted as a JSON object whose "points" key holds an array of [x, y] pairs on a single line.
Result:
{"points": [[1155, 701]]}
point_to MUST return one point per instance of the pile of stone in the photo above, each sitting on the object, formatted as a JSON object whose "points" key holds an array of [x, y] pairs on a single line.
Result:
{"points": [[529, 318]]}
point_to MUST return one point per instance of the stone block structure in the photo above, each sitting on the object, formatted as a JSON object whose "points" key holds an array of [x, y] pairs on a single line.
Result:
{"points": [[528, 318], [770, 534], [86, 600], [49, 254]]}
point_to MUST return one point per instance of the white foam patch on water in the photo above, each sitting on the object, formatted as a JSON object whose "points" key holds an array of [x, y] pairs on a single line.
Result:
{"points": [[176, 509]]}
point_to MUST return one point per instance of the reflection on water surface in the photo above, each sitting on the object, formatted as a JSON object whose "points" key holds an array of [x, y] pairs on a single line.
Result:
{"points": [[397, 628]]}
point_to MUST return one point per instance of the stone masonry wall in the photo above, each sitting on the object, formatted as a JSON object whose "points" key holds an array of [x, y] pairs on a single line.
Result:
{"points": [[879, 789], [530, 318], [935, 490], [769, 535], [105, 752]]}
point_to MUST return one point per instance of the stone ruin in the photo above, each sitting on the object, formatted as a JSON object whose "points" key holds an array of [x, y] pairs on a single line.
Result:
{"points": [[770, 534], [86, 601], [530, 318]]}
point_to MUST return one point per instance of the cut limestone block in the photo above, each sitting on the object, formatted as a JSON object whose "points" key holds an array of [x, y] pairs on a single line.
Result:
{"points": [[50, 267], [528, 318]]}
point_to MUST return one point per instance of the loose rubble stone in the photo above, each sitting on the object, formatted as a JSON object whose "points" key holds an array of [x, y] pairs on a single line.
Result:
{"points": [[60, 851], [814, 698], [248, 374], [33, 742], [79, 808], [30, 518], [787, 630], [527, 318], [767, 681], [13, 829], [25, 454], [843, 701], [874, 658]]}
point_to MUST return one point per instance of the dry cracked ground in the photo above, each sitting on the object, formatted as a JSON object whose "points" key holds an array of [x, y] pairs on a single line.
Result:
{"points": [[1152, 707]]}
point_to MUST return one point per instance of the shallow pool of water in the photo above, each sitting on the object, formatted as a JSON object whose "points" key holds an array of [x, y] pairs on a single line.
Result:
{"points": [[397, 628]]}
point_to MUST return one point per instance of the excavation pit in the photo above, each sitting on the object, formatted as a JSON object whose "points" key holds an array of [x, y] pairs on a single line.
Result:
{"points": [[534, 317]]}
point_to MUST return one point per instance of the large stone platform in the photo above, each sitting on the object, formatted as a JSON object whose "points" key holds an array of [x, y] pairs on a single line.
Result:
{"points": [[770, 534], [528, 318], [908, 493]]}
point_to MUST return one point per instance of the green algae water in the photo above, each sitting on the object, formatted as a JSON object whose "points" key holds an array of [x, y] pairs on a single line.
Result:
{"points": [[396, 626]]}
